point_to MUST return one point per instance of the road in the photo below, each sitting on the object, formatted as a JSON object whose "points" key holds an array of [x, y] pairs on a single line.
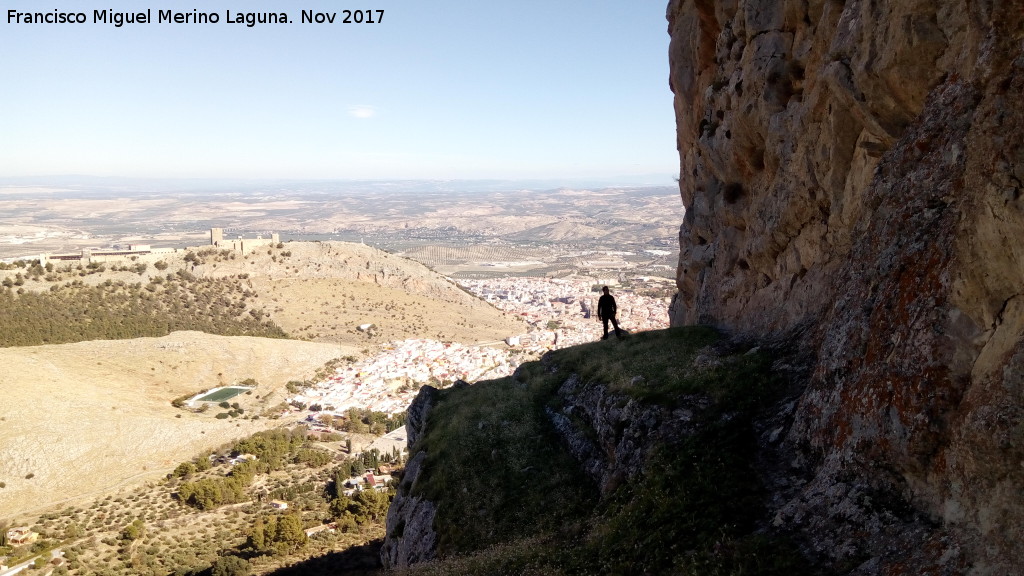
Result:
{"points": [[57, 553]]}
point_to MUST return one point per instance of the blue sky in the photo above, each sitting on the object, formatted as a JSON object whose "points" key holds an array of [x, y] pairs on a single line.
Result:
{"points": [[438, 89]]}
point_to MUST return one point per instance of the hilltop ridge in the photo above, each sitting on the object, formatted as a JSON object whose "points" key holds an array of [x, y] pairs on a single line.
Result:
{"points": [[317, 291], [323, 291]]}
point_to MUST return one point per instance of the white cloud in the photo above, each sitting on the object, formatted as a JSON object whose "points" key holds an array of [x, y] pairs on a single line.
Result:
{"points": [[362, 111]]}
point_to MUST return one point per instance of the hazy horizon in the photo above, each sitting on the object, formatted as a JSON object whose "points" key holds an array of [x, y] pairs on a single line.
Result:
{"points": [[156, 184]]}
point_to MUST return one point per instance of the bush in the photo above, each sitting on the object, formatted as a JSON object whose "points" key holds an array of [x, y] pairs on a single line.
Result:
{"points": [[230, 566], [185, 469], [281, 534], [133, 531]]}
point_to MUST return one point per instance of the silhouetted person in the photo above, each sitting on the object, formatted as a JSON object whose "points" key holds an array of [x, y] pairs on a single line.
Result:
{"points": [[606, 312]]}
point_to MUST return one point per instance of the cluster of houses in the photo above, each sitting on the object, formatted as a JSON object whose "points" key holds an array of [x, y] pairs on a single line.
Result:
{"points": [[367, 481], [563, 311], [389, 381]]}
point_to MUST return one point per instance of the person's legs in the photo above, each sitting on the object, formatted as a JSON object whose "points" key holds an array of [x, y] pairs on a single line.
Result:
{"points": [[605, 322], [614, 323]]}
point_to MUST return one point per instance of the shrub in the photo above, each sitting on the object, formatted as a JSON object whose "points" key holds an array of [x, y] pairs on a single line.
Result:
{"points": [[230, 566], [133, 531], [185, 469]]}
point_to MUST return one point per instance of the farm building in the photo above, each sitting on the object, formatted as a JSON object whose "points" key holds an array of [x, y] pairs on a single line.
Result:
{"points": [[19, 536]]}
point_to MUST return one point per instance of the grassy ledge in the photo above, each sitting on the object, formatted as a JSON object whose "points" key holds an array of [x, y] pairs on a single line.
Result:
{"points": [[512, 500]]}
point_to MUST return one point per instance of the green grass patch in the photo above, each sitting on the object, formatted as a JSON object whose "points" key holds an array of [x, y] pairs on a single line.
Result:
{"points": [[526, 557], [497, 469], [509, 494], [657, 365], [695, 512]]}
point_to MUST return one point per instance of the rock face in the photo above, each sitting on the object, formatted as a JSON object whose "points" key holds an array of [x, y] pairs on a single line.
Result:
{"points": [[611, 434], [416, 414], [410, 536], [852, 175]]}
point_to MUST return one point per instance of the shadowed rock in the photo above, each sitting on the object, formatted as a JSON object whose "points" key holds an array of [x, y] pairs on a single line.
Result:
{"points": [[879, 147]]}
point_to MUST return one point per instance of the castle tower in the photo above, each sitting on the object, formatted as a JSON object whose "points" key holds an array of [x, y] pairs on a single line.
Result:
{"points": [[216, 236]]}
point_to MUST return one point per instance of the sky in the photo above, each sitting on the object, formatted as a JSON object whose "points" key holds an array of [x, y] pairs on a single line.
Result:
{"points": [[439, 89]]}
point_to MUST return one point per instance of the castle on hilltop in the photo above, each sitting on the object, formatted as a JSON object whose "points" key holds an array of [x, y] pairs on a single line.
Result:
{"points": [[241, 244], [217, 240]]}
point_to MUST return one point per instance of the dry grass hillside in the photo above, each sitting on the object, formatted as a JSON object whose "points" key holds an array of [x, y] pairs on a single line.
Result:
{"points": [[318, 291], [87, 418], [323, 291], [81, 419]]}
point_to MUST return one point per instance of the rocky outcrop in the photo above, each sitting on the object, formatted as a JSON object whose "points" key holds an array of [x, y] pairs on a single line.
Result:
{"points": [[410, 536], [611, 435], [416, 414], [852, 175]]}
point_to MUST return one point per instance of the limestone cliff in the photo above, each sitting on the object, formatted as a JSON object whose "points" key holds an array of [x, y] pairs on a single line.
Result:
{"points": [[411, 537], [852, 175]]}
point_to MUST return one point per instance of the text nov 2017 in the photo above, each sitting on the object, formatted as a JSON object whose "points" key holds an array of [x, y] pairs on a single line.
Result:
{"points": [[347, 17]]}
